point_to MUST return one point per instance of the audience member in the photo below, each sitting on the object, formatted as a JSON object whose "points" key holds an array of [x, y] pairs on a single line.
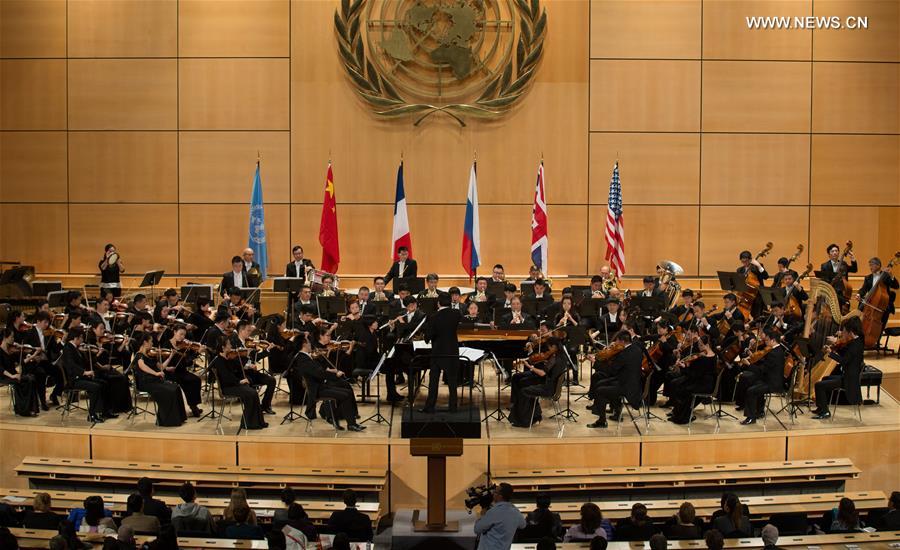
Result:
{"points": [[288, 497], [137, 520], [299, 520], [658, 542], [714, 540], [546, 543], [683, 526], [340, 542], [76, 515], [7, 539], [42, 516], [890, 521], [238, 498], [356, 525], [733, 523], [541, 522], [152, 506], [96, 518], [769, 536], [637, 526], [167, 539], [190, 516], [591, 525], [599, 543], [241, 528], [58, 542], [846, 518]]}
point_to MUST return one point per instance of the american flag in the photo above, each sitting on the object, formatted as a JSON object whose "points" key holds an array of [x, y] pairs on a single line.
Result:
{"points": [[615, 225]]}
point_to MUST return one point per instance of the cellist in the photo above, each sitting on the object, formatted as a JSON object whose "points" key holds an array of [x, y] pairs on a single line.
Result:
{"points": [[850, 364]]}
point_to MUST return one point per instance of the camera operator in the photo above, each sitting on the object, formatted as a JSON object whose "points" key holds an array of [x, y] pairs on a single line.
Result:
{"points": [[498, 524]]}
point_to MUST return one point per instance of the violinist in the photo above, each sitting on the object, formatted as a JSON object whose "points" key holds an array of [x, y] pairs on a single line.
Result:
{"points": [[240, 340], [624, 381], [833, 269], [150, 376], [167, 307], [751, 265], [111, 267], [142, 324], [202, 318], [609, 322], [878, 275], [219, 329], [39, 363], [702, 323], [228, 367], [366, 355], [778, 320], [696, 374], [306, 322], [764, 373], [516, 318], [118, 348], [235, 306], [542, 369], [850, 364], [73, 303], [15, 322], [567, 316], [25, 401], [662, 353], [81, 377], [325, 382], [178, 369], [732, 349], [793, 290], [118, 391], [440, 331], [282, 344], [138, 304]]}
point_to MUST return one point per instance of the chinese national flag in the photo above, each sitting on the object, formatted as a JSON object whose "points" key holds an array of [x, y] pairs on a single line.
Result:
{"points": [[328, 227]]}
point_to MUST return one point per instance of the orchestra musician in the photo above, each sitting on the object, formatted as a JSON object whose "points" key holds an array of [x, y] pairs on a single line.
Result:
{"points": [[403, 267], [235, 306], [509, 292], [473, 314], [498, 274], [239, 341], [609, 322], [877, 275], [300, 265], [366, 354], [517, 319], [218, 330], [456, 301], [251, 268], [81, 377], [363, 296], [440, 331], [102, 361], [542, 296], [749, 264], [168, 306], [480, 293], [534, 273], [850, 365], [779, 321], [783, 268], [730, 314], [328, 288], [663, 354], [620, 378], [651, 287], [281, 342], [180, 372], [138, 304], [764, 375], [702, 323], [231, 375], [236, 278], [150, 377], [833, 267], [732, 349], [431, 289], [792, 289], [73, 303], [26, 400], [567, 316], [201, 318], [596, 290], [39, 363], [324, 382], [380, 294], [305, 300], [696, 374], [403, 326], [111, 267], [684, 311], [541, 371]]}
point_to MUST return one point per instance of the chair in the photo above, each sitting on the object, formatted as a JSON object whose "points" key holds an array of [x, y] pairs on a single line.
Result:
{"points": [[70, 396], [713, 397], [784, 395], [223, 400], [12, 394], [137, 395], [884, 349], [557, 393], [643, 408], [330, 401], [835, 397]]}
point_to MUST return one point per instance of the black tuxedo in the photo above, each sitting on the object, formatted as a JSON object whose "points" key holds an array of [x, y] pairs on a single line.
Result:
{"points": [[228, 282], [851, 363], [528, 322], [410, 269], [764, 376], [440, 330], [290, 270], [405, 329], [621, 378], [829, 273], [229, 373], [886, 279], [321, 384]]}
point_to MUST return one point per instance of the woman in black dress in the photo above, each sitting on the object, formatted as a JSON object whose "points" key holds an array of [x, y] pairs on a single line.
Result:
{"points": [[26, 398], [150, 377], [698, 375], [111, 267], [233, 381]]}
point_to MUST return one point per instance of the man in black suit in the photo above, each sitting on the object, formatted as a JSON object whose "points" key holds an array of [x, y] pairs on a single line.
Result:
{"points": [[81, 378], [764, 376], [431, 289], [236, 278], [876, 277], [621, 378], [356, 525], [834, 266], [321, 383], [250, 263], [751, 265], [39, 364], [403, 326], [440, 330], [516, 319], [297, 268], [403, 267], [153, 506], [851, 364]]}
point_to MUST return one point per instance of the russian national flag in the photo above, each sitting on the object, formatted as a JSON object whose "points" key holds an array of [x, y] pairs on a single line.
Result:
{"points": [[471, 245], [400, 234]]}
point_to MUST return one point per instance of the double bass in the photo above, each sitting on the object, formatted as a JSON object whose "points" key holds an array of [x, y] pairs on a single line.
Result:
{"points": [[841, 281], [873, 306], [792, 305], [746, 298]]}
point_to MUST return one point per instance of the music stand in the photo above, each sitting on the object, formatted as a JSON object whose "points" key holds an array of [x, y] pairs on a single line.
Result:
{"points": [[530, 306], [415, 285], [331, 307], [428, 306], [499, 313], [292, 286], [382, 309], [732, 281], [193, 292], [496, 289], [771, 296], [591, 307], [527, 288], [151, 279], [57, 298]]}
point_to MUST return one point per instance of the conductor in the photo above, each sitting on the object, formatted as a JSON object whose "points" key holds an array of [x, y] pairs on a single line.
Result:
{"points": [[440, 331]]}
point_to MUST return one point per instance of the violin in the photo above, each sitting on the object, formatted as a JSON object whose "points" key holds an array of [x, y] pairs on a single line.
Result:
{"points": [[57, 332], [258, 345], [610, 351], [287, 334], [688, 314], [25, 326], [758, 355], [187, 345], [110, 338], [160, 353], [21, 348], [237, 353]]}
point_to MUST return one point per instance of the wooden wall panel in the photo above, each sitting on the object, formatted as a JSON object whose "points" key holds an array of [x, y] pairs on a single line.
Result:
{"points": [[354, 453], [32, 441], [880, 42], [863, 170], [650, 29], [856, 97], [113, 28], [233, 28], [727, 230], [32, 94], [565, 454], [755, 96], [875, 452], [654, 168], [32, 166], [755, 169], [33, 29], [36, 234], [122, 94], [568, 230], [719, 448], [190, 450], [727, 36], [234, 94], [123, 167], [644, 95], [660, 232], [147, 235], [874, 231], [364, 232], [219, 166], [210, 234]]}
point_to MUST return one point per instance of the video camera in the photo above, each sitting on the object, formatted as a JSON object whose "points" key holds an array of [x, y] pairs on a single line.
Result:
{"points": [[480, 495]]}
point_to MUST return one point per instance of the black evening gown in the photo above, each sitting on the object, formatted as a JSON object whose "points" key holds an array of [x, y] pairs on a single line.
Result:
{"points": [[167, 394], [25, 390]]}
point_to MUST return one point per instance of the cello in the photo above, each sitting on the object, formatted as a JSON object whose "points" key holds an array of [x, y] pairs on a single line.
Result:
{"points": [[746, 298], [841, 282], [792, 305], [873, 306]]}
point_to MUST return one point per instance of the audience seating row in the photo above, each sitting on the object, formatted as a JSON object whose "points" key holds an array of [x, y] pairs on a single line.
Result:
{"points": [[692, 476], [856, 541]]}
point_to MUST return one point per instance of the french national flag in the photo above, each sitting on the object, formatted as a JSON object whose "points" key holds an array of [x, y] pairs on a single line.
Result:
{"points": [[400, 234]]}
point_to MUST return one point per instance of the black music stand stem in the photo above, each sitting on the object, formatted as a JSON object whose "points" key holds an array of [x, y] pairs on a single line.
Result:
{"points": [[292, 414], [497, 413], [377, 418], [212, 414], [568, 413], [151, 279], [292, 286]]}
